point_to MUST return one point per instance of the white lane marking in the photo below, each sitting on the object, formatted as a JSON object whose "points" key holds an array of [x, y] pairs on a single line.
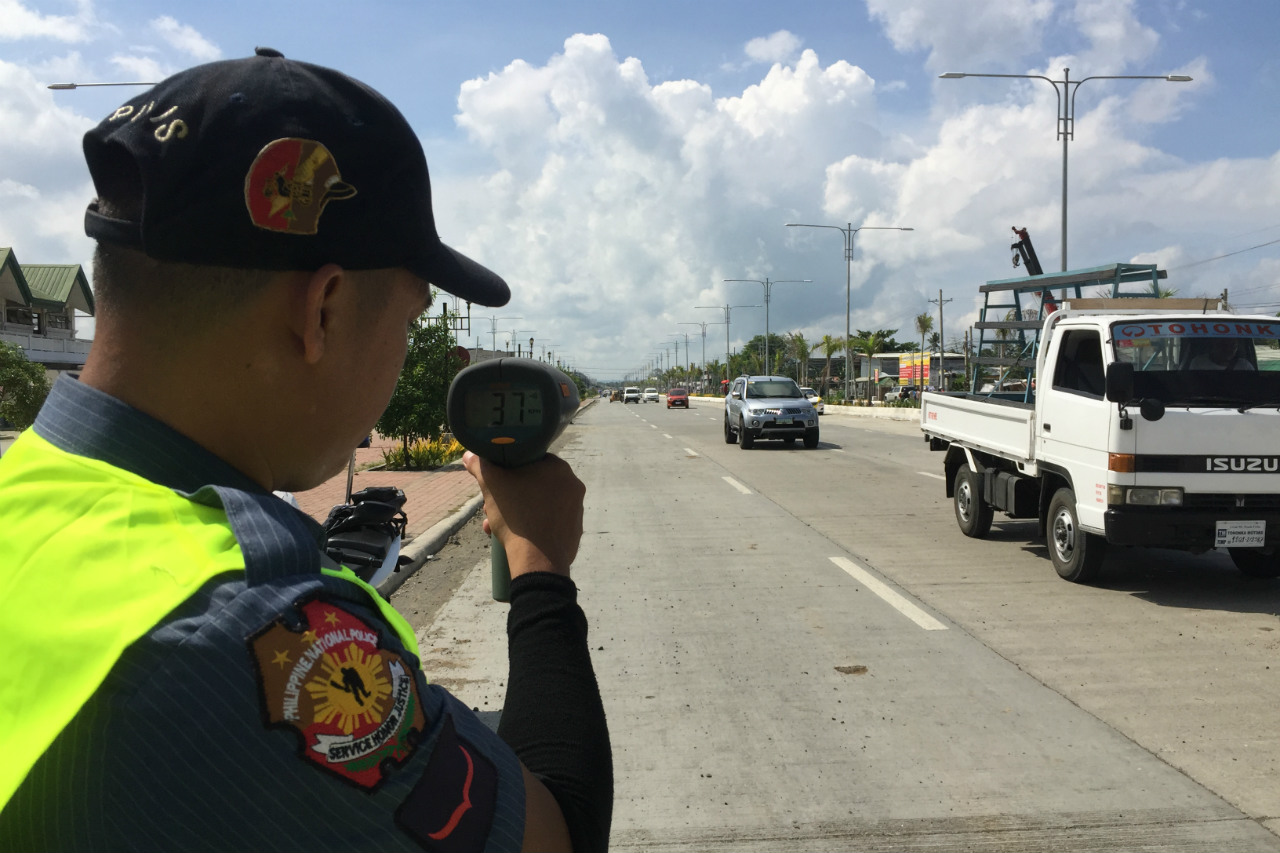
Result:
{"points": [[931, 474], [690, 452], [736, 485], [891, 597], [839, 450], [664, 435], [653, 426]]}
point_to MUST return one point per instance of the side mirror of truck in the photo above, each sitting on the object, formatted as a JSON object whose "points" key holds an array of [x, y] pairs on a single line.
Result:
{"points": [[1120, 382]]}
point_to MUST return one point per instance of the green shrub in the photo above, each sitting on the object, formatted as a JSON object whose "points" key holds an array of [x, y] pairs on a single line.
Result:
{"points": [[423, 454]]}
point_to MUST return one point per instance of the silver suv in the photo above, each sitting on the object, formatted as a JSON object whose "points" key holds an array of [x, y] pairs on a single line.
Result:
{"points": [[768, 407]]}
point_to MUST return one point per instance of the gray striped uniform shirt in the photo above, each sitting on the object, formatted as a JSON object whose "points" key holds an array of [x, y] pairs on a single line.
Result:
{"points": [[178, 749]]}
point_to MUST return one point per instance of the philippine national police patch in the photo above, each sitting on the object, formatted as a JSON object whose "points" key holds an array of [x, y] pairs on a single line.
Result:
{"points": [[354, 704]]}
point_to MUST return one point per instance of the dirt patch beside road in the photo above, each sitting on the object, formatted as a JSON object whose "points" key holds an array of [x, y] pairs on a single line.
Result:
{"points": [[420, 597]]}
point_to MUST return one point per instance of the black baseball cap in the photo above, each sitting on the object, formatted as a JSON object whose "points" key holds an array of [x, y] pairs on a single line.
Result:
{"points": [[268, 163]]}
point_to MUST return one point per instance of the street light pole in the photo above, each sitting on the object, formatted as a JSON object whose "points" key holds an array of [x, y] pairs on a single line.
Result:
{"points": [[704, 341], [63, 86], [493, 329], [515, 332], [849, 233], [768, 286], [726, 308], [1067, 114]]}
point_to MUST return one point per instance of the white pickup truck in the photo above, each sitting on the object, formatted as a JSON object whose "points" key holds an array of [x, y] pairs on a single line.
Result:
{"points": [[1141, 422]]}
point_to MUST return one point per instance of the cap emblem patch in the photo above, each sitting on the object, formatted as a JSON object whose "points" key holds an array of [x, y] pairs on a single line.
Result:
{"points": [[289, 184], [355, 705]]}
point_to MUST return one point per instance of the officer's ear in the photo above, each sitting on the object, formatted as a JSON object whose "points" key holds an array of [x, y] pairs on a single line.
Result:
{"points": [[314, 312]]}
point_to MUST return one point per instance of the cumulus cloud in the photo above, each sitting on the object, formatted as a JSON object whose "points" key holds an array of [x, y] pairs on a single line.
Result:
{"points": [[624, 203], [964, 36], [21, 22], [778, 47], [609, 190], [185, 39]]}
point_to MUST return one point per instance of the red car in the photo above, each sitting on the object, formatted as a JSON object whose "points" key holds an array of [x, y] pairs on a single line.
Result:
{"points": [[677, 397]]}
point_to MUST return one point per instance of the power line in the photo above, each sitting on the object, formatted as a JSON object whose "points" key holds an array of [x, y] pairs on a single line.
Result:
{"points": [[1227, 255]]}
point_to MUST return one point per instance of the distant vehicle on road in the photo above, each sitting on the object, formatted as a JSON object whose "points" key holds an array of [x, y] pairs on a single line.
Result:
{"points": [[903, 392], [812, 396], [651, 395], [631, 394], [677, 397], [768, 407]]}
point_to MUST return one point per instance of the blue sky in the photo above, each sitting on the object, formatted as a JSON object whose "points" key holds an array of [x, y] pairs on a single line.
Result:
{"points": [[617, 161]]}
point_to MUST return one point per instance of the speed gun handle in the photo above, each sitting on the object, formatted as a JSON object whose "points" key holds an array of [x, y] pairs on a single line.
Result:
{"points": [[509, 411]]}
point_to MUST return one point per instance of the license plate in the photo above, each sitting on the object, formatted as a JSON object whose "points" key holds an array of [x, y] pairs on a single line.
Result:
{"points": [[782, 421], [1240, 534]]}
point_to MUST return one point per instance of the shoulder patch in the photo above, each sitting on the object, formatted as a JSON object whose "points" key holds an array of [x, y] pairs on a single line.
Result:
{"points": [[353, 704], [451, 807]]}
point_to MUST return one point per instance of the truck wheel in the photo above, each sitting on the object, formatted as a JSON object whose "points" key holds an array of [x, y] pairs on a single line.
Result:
{"points": [[729, 437], [811, 438], [973, 514], [1253, 563], [745, 441], [1076, 555]]}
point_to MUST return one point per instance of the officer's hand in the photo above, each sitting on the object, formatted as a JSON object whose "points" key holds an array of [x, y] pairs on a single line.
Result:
{"points": [[534, 510]]}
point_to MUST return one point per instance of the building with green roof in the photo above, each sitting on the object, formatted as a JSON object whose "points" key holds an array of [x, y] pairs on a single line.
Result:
{"points": [[40, 305]]}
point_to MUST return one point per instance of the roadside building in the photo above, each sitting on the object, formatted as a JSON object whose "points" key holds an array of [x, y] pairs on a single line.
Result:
{"points": [[40, 306]]}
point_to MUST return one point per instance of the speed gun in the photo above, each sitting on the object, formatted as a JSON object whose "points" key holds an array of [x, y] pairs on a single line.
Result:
{"points": [[509, 411]]}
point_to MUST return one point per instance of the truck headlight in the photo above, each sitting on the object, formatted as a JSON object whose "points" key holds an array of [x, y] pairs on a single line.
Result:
{"points": [[1143, 496]]}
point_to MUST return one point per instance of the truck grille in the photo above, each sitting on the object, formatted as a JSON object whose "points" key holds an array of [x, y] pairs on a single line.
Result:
{"points": [[1231, 502]]}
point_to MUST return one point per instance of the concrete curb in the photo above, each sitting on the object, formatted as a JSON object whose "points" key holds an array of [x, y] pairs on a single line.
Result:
{"points": [[430, 542]]}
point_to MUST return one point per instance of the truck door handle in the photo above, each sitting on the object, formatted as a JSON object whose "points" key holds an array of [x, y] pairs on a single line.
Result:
{"points": [[1048, 428]]}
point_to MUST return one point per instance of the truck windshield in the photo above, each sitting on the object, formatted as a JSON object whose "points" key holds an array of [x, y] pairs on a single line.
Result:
{"points": [[1202, 360]]}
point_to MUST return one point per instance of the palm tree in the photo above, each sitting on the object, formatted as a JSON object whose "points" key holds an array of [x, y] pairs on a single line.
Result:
{"points": [[829, 346], [924, 325], [798, 348], [869, 343]]}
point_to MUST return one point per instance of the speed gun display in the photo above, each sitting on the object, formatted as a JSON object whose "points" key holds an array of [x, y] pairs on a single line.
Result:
{"points": [[509, 411]]}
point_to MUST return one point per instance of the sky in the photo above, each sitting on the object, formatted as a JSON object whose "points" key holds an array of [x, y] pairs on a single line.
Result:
{"points": [[617, 162]]}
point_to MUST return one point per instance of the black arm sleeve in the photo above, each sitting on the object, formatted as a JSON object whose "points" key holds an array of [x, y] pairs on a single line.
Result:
{"points": [[553, 717]]}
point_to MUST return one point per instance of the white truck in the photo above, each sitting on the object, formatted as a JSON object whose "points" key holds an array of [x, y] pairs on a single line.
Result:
{"points": [[1127, 420]]}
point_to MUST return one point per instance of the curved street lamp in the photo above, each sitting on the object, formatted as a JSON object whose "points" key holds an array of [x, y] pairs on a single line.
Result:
{"points": [[849, 233], [1067, 114], [768, 285], [727, 308], [63, 86]]}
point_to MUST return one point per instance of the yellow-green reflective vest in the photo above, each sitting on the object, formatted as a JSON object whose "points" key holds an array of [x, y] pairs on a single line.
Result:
{"points": [[91, 558]]}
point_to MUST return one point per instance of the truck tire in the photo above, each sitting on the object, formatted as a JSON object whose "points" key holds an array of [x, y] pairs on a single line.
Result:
{"points": [[745, 441], [811, 438], [1252, 562], [973, 514], [729, 437], [1075, 554]]}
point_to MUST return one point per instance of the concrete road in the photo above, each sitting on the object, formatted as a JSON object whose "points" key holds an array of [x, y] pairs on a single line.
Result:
{"points": [[798, 649]]}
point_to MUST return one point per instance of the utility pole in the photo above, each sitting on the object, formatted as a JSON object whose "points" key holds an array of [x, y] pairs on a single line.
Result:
{"points": [[942, 342]]}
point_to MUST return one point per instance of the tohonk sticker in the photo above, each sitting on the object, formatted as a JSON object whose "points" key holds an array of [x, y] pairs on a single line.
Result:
{"points": [[354, 704]]}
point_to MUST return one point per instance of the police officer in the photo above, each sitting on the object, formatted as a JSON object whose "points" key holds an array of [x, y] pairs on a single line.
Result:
{"points": [[184, 669]]}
